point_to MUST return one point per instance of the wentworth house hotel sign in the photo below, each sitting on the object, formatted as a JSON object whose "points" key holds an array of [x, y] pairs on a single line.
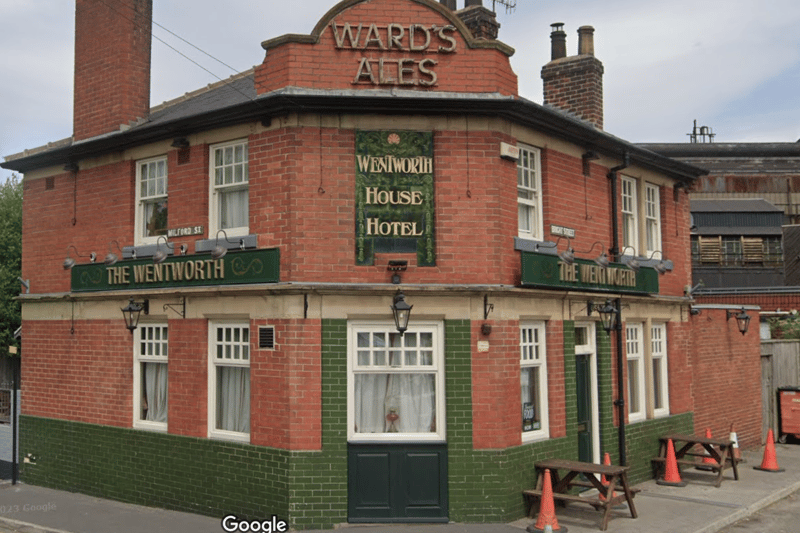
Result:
{"points": [[394, 195]]}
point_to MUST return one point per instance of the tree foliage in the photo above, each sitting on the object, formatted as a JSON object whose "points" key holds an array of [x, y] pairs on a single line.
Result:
{"points": [[10, 260]]}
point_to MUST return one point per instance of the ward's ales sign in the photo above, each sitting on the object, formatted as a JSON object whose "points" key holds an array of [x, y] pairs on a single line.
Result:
{"points": [[394, 195]]}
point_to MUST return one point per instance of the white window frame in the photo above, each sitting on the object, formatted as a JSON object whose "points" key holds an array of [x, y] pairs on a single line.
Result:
{"points": [[215, 224], [148, 349], [533, 355], [634, 349], [214, 363], [652, 203], [529, 183], [658, 355], [436, 328], [630, 215], [145, 199]]}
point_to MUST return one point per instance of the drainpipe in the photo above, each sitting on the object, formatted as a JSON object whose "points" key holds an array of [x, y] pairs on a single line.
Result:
{"points": [[620, 401]]}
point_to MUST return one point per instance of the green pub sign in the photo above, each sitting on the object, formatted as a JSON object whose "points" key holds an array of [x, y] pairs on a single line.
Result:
{"points": [[394, 195], [548, 271], [251, 266]]}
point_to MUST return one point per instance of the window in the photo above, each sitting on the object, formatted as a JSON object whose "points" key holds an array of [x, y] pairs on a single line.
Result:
{"points": [[529, 187], [652, 204], [151, 352], [229, 381], [151, 200], [396, 383], [636, 384], [630, 218], [533, 381], [658, 353], [229, 189]]}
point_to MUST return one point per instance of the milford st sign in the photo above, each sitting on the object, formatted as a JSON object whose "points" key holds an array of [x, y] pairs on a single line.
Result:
{"points": [[250, 266]]}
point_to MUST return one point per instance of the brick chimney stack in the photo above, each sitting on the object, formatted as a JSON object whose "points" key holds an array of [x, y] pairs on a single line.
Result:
{"points": [[481, 21], [574, 84], [112, 65]]}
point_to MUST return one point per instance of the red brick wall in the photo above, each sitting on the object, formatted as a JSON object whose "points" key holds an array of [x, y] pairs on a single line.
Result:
{"points": [[85, 376], [188, 377], [321, 65], [286, 386], [112, 65], [496, 411], [87, 210], [726, 376]]}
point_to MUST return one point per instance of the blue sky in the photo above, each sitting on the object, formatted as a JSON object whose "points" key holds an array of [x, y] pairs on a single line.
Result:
{"points": [[733, 65]]}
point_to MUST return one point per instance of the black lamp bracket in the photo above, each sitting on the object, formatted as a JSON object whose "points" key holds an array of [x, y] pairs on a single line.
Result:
{"points": [[179, 308]]}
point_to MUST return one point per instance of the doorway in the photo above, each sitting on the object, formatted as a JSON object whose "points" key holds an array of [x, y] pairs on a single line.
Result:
{"points": [[588, 417]]}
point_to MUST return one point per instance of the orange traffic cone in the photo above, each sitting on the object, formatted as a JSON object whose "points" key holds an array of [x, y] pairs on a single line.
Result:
{"points": [[708, 462], [770, 462], [546, 522], [672, 475], [603, 480]]}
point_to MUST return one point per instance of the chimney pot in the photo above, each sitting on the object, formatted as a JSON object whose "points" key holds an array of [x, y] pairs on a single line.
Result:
{"points": [[468, 3], [449, 4], [586, 40], [558, 40]]}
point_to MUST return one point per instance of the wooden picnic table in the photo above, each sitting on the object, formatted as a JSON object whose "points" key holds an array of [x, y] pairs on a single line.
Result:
{"points": [[565, 475], [720, 450]]}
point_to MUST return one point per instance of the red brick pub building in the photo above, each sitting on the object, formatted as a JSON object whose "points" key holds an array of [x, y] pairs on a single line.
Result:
{"points": [[269, 226]]}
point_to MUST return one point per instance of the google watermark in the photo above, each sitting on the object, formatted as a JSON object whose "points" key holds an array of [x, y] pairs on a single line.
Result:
{"points": [[233, 523]]}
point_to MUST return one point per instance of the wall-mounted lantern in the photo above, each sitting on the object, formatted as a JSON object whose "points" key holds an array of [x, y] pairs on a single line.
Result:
{"points": [[608, 314], [742, 320], [132, 311], [401, 312]]}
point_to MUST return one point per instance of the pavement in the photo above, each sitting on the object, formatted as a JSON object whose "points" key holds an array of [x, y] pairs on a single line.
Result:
{"points": [[699, 507]]}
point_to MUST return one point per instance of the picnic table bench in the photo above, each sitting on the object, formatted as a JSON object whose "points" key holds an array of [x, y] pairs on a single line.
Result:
{"points": [[563, 474], [720, 450]]}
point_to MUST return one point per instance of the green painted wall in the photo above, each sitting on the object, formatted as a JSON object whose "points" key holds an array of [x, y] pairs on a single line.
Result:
{"points": [[309, 489]]}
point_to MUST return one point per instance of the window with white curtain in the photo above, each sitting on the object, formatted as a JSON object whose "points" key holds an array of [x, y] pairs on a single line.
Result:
{"points": [[151, 200], [636, 385], [150, 375], [229, 381], [533, 381], [658, 354], [395, 382], [529, 193], [229, 205]]}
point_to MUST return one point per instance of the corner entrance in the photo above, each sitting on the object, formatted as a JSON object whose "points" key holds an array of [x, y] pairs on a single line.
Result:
{"points": [[397, 449], [588, 418]]}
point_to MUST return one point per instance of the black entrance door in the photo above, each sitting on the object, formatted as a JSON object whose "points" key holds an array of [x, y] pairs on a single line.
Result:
{"points": [[397, 483], [584, 396]]}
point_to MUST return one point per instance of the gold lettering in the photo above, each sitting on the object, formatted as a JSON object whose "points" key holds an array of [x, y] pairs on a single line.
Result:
{"points": [[158, 272], [198, 270], [177, 271], [219, 269]]}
